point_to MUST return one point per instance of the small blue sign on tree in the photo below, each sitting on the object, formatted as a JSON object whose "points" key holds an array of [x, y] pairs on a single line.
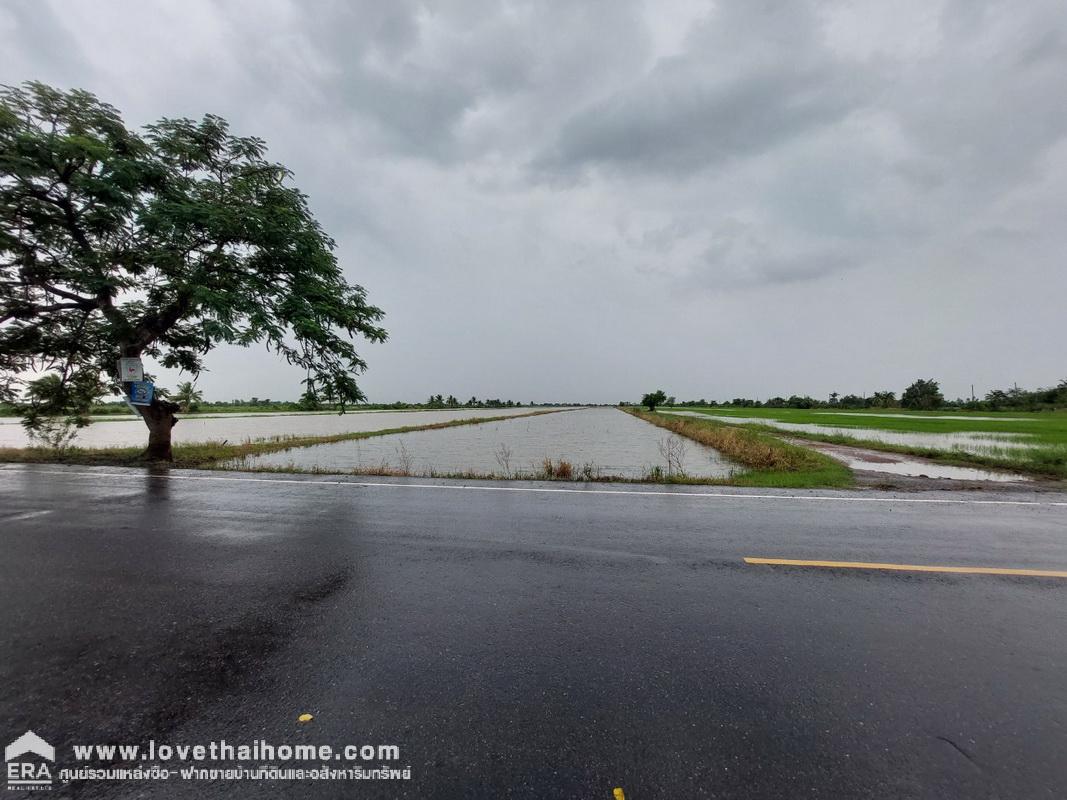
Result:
{"points": [[141, 393]]}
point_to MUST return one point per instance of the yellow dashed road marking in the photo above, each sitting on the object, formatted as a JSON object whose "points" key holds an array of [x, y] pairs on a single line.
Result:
{"points": [[793, 562]]}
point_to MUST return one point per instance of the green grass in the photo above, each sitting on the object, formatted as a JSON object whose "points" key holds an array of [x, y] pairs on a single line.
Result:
{"points": [[1045, 430], [768, 461], [1048, 426]]}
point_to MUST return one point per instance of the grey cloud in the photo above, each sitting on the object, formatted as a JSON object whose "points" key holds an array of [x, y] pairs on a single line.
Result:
{"points": [[676, 123], [509, 68], [503, 176], [35, 25], [742, 256], [983, 107], [717, 102]]}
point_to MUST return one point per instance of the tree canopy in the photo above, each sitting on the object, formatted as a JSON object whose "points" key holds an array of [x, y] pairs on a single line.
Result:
{"points": [[653, 399], [924, 394], [163, 243]]}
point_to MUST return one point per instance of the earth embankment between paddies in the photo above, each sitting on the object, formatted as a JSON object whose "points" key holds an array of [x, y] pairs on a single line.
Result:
{"points": [[768, 461]]}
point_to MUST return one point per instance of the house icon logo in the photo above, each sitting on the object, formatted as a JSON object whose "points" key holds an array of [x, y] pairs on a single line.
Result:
{"points": [[25, 766]]}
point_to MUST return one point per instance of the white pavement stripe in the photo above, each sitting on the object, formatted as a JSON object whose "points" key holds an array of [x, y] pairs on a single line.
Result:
{"points": [[546, 490], [26, 515]]}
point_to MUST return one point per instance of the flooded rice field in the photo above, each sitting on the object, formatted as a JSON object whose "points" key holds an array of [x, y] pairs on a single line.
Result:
{"points": [[859, 458], [978, 443], [965, 417], [131, 432], [611, 442]]}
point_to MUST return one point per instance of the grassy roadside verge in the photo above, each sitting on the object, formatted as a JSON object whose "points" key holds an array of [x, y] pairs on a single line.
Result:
{"points": [[550, 470], [209, 455], [769, 461]]}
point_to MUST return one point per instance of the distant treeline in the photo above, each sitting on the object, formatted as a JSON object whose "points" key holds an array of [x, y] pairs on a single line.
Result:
{"points": [[440, 401], [923, 394], [307, 403]]}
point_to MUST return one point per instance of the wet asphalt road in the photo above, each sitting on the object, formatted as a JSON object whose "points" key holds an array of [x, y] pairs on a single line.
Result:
{"points": [[538, 644]]}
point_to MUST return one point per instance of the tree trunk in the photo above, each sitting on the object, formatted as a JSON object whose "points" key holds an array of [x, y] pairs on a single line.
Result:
{"points": [[159, 417]]}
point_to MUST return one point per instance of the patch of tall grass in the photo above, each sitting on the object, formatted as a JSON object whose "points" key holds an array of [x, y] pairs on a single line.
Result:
{"points": [[768, 460]]}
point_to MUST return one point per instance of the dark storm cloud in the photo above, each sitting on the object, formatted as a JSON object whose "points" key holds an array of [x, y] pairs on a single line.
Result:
{"points": [[718, 102], [419, 81], [740, 256], [520, 183]]}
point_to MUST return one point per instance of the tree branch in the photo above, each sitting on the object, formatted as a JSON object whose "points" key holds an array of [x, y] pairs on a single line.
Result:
{"points": [[85, 302], [70, 218], [154, 325]]}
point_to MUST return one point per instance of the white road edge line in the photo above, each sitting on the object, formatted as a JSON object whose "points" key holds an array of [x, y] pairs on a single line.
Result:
{"points": [[26, 515], [546, 490]]}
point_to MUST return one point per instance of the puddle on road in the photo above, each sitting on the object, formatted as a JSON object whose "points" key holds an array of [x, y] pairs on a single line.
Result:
{"points": [[978, 443], [615, 443]]}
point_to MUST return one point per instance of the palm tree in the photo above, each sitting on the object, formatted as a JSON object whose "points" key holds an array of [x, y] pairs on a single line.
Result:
{"points": [[187, 395]]}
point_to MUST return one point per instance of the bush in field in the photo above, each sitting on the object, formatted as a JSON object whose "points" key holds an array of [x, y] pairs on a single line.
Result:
{"points": [[673, 450], [503, 455], [653, 399], [557, 471], [924, 395], [884, 399], [590, 471], [310, 401], [187, 396]]}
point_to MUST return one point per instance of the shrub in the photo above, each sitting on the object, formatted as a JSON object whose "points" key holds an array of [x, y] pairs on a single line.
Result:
{"points": [[561, 470]]}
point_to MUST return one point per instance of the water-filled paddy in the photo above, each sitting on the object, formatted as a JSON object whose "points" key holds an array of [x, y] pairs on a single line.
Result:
{"points": [[112, 432], [960, 417], [860, 458], [612, 442], [971, 442]]}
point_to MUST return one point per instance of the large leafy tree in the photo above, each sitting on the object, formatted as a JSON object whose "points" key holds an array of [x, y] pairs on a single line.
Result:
{"points": [[653, 399], [164, 244], [924, 394]]}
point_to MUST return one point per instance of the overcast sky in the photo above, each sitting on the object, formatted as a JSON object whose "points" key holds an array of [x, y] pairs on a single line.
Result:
{"points": [[589, 200]]}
